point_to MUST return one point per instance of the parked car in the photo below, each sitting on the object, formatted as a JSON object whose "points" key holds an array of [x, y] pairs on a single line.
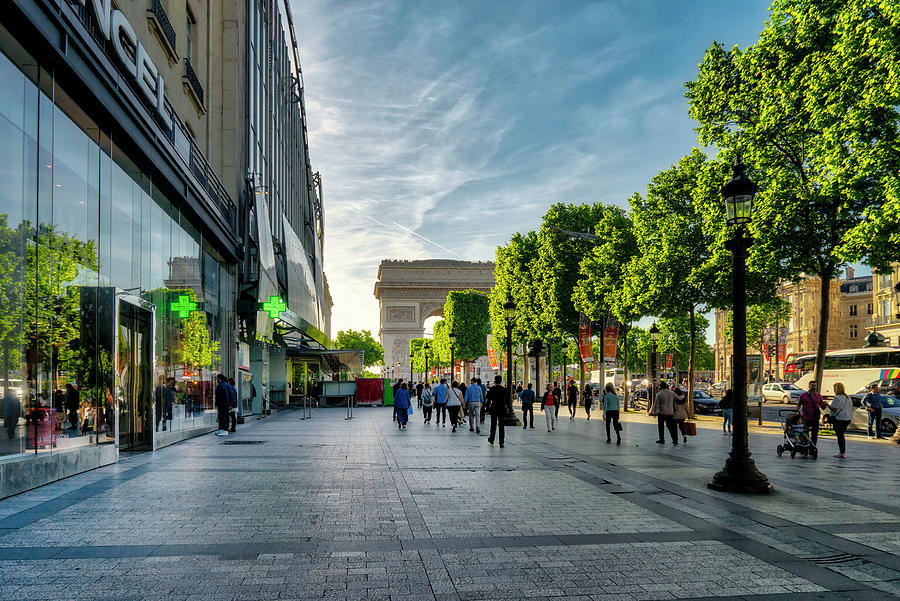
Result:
{"points": [[720, 386], [639, 399], [782, 392], [705, 404], [888, 386], [890, 414]]}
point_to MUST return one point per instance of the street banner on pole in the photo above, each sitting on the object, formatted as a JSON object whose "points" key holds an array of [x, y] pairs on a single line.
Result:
{"points": [[782, 351], [584, 338], [610, 341], [492, 355], [669, 361]]}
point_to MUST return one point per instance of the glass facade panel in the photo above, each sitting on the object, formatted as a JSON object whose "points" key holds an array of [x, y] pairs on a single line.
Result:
{"points": [[109, 328]]}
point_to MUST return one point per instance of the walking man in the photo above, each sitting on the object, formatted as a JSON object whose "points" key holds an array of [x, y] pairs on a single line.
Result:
{"points": [[223, 402], [232, 406], [440, 401], [474, 400], [497, 398], [572, 393], [528, 407], [664, 408], [558, 395], [810, 405], [873, 402]]}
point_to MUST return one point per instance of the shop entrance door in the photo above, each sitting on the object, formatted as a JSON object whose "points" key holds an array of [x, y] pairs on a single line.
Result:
{"points": [[134, 371]]}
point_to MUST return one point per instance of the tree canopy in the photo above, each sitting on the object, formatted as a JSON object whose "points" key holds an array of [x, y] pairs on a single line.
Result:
{"points": [[373, 352]]}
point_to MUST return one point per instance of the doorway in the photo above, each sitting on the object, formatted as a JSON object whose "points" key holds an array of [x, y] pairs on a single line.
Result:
{"points": [[134, 372]]}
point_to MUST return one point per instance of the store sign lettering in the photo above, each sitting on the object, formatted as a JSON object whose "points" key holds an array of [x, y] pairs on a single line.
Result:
{"points": [[132, 54]]}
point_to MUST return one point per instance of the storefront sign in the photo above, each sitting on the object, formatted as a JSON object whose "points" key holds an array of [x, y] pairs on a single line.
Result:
{"points": [[584, 339], [492, 355], [610, 341], [131, 53]]}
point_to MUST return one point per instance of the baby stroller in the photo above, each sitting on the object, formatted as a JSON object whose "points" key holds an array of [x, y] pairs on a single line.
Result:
{"points": [[796, 435]]}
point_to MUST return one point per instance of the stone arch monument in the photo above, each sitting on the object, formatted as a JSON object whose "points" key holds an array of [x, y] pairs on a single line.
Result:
{"points": [[409, 292]]}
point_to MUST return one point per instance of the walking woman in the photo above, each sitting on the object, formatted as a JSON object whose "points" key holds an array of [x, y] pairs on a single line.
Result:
{"points": [[454, 403], [549, 406], [611, 412], [681, 412], [588, 395], [727, 405], [427, 402], [842, 407], [401, 405]]}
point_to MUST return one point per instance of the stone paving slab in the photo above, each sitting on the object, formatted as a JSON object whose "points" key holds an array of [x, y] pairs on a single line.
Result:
{"points": [[330, 509]]}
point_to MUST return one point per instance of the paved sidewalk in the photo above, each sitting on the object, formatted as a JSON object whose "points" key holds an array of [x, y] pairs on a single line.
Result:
{"points": [[330, 509]]}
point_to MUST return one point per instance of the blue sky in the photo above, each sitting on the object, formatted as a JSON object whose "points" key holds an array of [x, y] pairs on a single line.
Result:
{"points": [[442, 128]]}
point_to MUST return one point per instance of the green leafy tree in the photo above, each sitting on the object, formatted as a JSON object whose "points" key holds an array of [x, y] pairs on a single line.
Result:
{"points": [[419, 353], [761, 322], [514, 280], [373, 352], [812, 108], [466, 315], [705, 357]]}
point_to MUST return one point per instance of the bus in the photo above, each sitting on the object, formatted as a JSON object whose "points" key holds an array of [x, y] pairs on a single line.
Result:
{"points": [[855, 368]]}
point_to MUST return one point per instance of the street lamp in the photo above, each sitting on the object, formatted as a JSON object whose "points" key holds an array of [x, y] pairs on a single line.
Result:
{"points": [[425, 348], [740, 474], [452, 350], [565, 358], [410, 369], [652, 374], [509, 308]]}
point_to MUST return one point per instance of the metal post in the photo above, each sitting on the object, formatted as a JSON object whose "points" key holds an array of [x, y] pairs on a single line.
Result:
{"points": [[740, 474], [349, 408]]}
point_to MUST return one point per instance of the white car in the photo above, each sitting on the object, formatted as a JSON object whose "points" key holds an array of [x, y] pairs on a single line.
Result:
{"points": [[781, 392]]}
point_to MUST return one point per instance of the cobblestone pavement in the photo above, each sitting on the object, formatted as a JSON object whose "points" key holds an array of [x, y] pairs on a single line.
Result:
{"points": [[344, 510]]}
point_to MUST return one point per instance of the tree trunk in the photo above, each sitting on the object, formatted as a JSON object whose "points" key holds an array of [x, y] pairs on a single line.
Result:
{"points": [[691, 362], [527, 371], [824, 310], [625, 367], [549, 361]]}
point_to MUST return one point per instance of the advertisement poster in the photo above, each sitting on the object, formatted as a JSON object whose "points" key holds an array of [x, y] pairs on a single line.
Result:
{"points": [[610, 340], [669, 361], [584, 339], [782, 352], [492, 355]]}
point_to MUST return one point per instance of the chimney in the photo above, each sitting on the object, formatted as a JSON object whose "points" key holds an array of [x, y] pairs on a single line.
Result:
{"points": [[848, 273]]}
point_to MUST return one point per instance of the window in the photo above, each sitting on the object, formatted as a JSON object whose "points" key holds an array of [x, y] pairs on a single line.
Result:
{"points": [[885, 309], [189, 31], [885, 280], [852, 312], [869, 309], [854, 289], [853, 330]]}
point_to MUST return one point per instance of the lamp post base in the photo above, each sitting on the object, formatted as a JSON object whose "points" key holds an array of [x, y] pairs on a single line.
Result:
{"points": [[512, 420], [741, 476]]}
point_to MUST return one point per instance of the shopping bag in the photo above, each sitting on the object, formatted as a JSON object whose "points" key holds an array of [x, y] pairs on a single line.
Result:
{"points": [[690, 428], [409, 411]]}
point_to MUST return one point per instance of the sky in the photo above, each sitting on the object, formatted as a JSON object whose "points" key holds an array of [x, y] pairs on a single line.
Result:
{"points": [[442, 128]]}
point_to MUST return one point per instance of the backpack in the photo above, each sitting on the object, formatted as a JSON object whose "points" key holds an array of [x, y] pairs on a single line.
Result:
{"points": [[426, 397]]}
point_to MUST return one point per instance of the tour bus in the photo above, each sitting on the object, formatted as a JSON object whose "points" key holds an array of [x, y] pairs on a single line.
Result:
{"points": [[855, 368], [616, 376]]}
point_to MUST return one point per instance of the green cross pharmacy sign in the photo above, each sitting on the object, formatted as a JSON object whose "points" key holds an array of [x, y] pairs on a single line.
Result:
{"points": [[184, 306], [274, 306]]}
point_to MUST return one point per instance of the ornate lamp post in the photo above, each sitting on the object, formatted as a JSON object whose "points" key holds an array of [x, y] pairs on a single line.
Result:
{"points": [[425, 348], [565, 359], [452, 357], [410, 368], [740, 474], [509, 308], [652, 374]]}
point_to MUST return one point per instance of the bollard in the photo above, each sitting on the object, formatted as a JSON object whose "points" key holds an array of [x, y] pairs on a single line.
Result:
{"points": [[760, 410], [349, 408], [307, 408]]}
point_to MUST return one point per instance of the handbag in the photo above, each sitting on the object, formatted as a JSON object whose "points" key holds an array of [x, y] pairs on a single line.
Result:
{"points": [[618, 426], [409, 411], [690, 428]]}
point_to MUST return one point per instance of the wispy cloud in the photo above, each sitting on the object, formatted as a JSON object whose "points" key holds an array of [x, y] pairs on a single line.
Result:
{"points": [[442, 128]]}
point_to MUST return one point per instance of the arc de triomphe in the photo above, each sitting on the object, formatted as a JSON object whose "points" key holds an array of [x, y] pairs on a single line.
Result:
{"points": [[409, 292]]}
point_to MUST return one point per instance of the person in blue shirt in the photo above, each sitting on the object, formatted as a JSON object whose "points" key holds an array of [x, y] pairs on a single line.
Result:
{"points": [[528, 398], [474, 399], [440, 400], [402, 405], [874, 402]]}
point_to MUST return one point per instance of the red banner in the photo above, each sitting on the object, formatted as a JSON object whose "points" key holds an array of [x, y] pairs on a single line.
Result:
{"points": [[610, 341], [669, 361], [584, 339], [492, 356], [782, 351]]}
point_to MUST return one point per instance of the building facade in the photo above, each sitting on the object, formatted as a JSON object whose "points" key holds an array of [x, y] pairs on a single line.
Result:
{"points": [[850, 318], [886, 300], [154, 164]]}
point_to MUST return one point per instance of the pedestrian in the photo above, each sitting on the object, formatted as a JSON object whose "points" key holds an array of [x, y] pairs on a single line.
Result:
{"points": [[12, 411], [159, 401], [232, 407], [454, 404], [419, 389], [483, 395], [223, 401], [427, 402], [558, 398], [474, 400], [842, 407], [663, 408], [809, 405], [395, 388], [548, 403], [498, 407], [572, 393], [680, 414], [588, 398], [72, 404], [611, 412], [727, 405], [527, 398], [873, 402], [402, 403], [440, 400]]}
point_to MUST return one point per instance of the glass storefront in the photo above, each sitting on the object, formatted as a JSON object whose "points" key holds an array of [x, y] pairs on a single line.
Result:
{"points": [[115, 312]]}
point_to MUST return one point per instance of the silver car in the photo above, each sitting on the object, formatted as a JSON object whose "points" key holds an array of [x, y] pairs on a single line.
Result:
{"points": [[890, 414], [781, 392]]}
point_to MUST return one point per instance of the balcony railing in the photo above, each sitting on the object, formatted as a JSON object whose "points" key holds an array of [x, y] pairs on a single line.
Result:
{"points": [[163, 23], [883, 320], [193, 81]]}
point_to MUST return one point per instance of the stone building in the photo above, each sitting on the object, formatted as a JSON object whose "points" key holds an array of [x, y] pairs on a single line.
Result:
{"points": [[850, 315], [886, 310]]}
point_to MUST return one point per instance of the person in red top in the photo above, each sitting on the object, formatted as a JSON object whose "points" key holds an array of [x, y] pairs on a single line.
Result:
{"points": [[548, 406], [809, 405]]}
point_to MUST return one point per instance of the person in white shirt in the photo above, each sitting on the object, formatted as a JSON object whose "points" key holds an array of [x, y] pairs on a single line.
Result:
{"points": [[842, 408]]}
